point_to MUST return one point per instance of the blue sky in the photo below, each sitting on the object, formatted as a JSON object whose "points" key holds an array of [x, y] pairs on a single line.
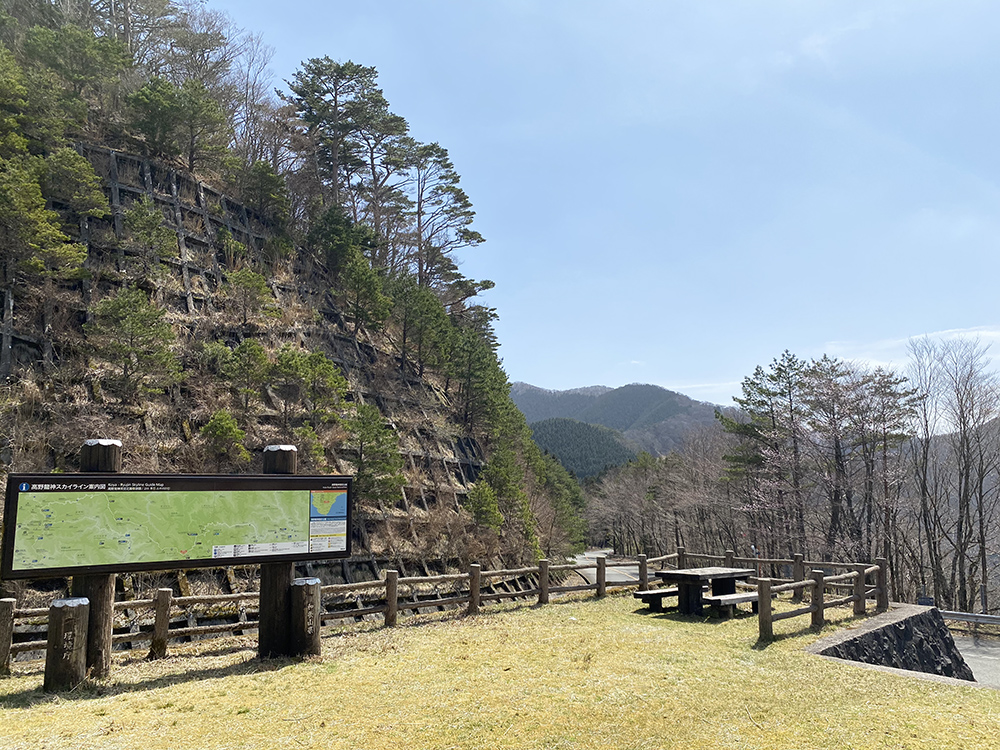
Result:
{"points": [[676, 192]]}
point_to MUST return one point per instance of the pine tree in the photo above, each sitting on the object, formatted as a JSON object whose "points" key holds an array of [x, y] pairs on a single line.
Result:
{"points": [[378, 465], [131, 333]]}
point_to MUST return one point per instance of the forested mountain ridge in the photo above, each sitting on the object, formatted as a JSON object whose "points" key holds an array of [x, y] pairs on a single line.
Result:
{"points": [[654, 418], [199, 268], [584, 449]]}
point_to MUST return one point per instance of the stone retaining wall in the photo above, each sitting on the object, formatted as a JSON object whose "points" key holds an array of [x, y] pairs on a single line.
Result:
{"points": [[906, 637]]}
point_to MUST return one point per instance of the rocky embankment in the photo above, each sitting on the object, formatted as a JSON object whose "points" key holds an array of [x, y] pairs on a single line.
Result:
{"points": [[907, 637]]}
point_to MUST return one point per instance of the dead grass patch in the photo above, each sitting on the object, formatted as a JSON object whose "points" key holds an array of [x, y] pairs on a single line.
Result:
{"points": [[577, 674]]}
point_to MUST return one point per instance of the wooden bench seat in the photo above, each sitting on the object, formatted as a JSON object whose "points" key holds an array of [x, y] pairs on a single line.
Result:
{"points": [[725, 603], [654, 597]]}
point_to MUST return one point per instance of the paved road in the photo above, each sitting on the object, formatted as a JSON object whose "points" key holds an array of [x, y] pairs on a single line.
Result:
{"points": [[983, 656], [613, 573]]}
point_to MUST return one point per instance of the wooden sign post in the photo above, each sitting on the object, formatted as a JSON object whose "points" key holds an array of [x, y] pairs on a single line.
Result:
{"points": [[274, 635], [103, 456], [66, 650], [307, 603]]}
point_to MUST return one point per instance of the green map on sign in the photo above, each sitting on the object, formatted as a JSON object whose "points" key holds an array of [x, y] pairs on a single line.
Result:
{"points": [[69, 529]]}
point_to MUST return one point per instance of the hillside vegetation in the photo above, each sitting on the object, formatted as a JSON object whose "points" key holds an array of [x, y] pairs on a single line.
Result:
{"points": [[198, 266], [655, 419], [584, 449]]}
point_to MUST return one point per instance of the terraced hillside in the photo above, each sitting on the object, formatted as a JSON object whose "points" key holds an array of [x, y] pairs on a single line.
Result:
{"points": [[57, 396]]}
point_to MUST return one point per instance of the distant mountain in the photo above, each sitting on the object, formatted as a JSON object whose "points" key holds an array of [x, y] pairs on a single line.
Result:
{"points": [[653, 418], [584, 449]]}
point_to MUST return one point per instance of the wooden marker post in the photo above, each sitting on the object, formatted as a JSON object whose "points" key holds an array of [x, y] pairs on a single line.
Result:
{"points": [[391, 598], [765, 623], [882, 584], [543, 581], [602, 585], [307, 601], [818, 616], [66, 650], [859, 589], [643, 574], [798, 574], [6, 633], [104, 456], [161, 622], [475, 575], [274, 631]]}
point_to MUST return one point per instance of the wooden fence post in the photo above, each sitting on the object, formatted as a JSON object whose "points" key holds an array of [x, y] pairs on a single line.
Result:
{"points": [[765, 623], [643, 574], [274, 627], [602, 585], [798, 574], [391, 598], [474, 590], [681, 558], [817, 600], [162, 601], [66, 649], [882, 584], [543, 581], [103, 456], [729, 558], [307, 603], [6, 633], [859, 589]]}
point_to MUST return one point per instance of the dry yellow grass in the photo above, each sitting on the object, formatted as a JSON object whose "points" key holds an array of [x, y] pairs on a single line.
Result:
{"points": [[578, 674]]}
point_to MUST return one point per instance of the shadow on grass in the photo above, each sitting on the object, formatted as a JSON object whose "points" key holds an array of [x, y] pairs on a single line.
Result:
{"points": [[672, 614], [761, 644], [91, 689]]}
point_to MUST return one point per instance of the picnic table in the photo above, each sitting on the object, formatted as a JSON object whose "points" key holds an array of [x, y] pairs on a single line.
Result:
{"points": [[690, 581]]}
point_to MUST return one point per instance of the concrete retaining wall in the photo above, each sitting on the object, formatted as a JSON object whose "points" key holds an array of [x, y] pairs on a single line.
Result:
{"points": [[906, 637]]}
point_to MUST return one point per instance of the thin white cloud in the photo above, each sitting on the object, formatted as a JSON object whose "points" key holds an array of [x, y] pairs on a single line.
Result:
{"points": [[895, 352], [820, 45]]}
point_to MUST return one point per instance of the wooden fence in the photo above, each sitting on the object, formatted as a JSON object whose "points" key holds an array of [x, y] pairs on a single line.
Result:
{"points": [[155, 620], [815, 584], [166, 618]]}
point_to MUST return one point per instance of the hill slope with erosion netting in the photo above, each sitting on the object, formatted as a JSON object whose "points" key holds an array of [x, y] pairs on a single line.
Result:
{"points": [[55, 399]]}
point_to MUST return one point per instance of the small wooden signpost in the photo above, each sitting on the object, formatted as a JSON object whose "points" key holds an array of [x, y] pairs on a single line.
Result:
{"points": [[307, 603], [66, 651], [6, 633]]}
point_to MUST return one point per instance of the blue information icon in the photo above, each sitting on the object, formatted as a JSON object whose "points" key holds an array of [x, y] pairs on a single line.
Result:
{"points": [[24, 487]]}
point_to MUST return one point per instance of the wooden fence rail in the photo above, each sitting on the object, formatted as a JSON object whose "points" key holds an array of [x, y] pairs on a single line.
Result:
{"points": [[391, 595], [818, 582]]}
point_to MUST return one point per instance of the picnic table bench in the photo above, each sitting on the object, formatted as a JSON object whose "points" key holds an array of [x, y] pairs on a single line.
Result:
{"points": [[725, 604], [691, 580], [654, 597]]}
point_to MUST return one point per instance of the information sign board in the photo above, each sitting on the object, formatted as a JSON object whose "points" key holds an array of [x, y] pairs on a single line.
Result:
{"points": [[65, 524]]}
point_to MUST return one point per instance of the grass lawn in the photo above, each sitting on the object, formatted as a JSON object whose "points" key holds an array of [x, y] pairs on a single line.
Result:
{"points": [[576, 674]]}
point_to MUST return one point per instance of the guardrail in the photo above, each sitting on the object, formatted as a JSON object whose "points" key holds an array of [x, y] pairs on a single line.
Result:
{"points": [[972, 617]]}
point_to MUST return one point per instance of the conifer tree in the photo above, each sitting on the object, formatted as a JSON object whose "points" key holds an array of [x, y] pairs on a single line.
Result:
{"points": [[378, 465], [132, 334]]}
